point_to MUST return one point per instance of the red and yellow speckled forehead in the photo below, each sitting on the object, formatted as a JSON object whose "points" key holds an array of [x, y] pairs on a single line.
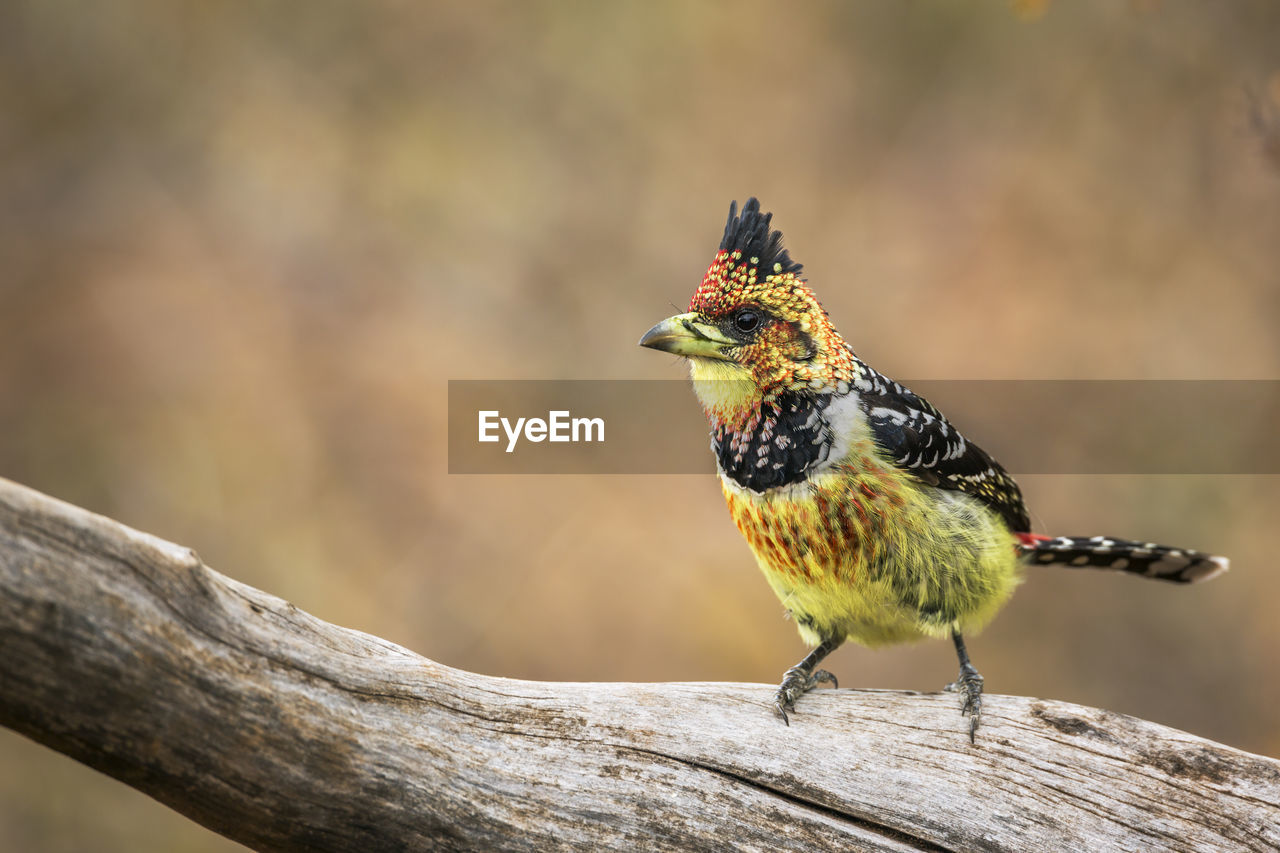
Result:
{"points": [[733, 280]]}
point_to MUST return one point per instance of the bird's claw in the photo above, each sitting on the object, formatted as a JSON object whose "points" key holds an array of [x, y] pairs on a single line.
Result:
{"points": [[795, 683], [970, 684]]}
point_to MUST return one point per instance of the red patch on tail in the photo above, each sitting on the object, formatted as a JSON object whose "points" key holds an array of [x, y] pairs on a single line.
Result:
{"points": [[1030, 540]]}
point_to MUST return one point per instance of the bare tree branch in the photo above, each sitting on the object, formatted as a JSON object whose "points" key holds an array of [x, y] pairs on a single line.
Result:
{"points": [[284, 732]]}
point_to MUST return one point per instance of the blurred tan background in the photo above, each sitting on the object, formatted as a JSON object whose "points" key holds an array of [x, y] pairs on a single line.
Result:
{"points": [[244, 246]]}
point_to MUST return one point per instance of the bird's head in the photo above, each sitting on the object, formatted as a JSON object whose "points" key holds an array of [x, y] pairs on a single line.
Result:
{"points": [[754, 330]]}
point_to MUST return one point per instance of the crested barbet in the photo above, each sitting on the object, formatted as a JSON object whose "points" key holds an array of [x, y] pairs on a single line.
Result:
{"points": [[871, 517]]}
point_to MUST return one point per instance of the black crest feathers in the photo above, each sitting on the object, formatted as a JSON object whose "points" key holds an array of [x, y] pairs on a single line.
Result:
{"points": [[749, 233]]}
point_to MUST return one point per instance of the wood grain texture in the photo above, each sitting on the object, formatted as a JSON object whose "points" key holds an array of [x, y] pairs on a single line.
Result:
{"points": [[284, 732]]}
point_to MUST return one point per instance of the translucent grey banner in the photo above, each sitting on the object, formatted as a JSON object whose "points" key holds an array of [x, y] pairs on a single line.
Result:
{"points": [[1031, 426]]}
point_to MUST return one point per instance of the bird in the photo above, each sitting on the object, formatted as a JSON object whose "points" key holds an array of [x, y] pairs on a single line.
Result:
{"points": [[873, 519]]}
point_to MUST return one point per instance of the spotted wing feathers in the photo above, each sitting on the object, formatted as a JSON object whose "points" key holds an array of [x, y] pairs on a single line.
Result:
{"points": [[920, 440]]}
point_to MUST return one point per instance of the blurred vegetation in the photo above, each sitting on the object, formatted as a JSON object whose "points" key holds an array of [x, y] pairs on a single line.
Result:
{"points": [[244, 246]]}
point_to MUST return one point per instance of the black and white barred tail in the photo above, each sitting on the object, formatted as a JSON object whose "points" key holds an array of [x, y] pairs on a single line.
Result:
{"points": [[1148, 559]]}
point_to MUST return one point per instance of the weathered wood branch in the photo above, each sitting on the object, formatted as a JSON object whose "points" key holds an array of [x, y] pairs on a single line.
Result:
{"points": [[284, 732]]}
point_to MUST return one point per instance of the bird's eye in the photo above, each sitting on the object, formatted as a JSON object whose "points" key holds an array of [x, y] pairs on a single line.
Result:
{"points": [[746, 320]]}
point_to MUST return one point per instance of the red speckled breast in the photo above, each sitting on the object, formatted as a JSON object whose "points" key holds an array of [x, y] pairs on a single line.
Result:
{"points": [[832, 529]]}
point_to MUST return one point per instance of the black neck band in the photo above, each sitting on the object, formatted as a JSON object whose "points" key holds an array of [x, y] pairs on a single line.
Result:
{"points": [[790, 438]]}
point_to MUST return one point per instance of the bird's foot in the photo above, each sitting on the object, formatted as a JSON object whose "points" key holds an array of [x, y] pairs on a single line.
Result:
{"points": [[970, 685], [795, 683]]}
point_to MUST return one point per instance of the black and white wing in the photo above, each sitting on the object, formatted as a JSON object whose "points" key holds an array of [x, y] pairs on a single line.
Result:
{"points": [[918, 439]]}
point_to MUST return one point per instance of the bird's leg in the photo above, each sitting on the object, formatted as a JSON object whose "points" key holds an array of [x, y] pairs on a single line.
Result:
{"points": [[802, 678], [970, 684]]}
